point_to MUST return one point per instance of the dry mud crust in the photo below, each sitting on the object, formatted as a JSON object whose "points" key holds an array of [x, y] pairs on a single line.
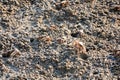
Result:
{"points": [[36, 39]]}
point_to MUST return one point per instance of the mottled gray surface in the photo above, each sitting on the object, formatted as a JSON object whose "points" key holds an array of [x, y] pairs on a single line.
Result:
{"points": [[36, 38]]}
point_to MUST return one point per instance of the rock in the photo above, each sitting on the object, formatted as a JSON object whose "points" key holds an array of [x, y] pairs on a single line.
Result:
{"points": [[61, 5], [32, 40], [84, 56]]}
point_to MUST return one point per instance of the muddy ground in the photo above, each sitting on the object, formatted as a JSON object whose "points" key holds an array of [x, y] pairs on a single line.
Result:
{"points": [[59, 40]]}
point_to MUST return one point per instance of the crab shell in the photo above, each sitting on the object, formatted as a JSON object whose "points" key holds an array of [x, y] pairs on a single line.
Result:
{"points": [[79, 46]]}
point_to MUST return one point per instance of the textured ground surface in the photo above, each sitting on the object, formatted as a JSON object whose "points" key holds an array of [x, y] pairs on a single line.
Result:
{"points": [[36, 39]]}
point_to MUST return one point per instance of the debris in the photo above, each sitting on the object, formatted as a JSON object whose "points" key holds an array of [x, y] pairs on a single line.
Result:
{"points": [[116, 8], [37, 66], [61, 5], [40, 19], [11, 53], [53, 27], [1, 46], [46, 39], [116, 53], [7, 54], [32, 39], [84, 56], [77, 34], [79, 46], [15, 53], [4, 68], [61, 40]]}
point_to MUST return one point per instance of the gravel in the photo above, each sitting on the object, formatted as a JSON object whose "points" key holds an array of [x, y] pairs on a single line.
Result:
{"points": [[38, 39]]}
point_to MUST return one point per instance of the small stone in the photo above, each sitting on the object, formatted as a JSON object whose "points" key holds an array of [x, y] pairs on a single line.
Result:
{"points": [[50, 67], [84, 56], [37, 66], [76, 75], [95, 72], [77, 34], [32, 39], [61, 5]]}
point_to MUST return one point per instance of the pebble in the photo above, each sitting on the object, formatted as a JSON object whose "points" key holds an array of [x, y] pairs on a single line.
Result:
{"points": [[78, 34], [62, 4]]}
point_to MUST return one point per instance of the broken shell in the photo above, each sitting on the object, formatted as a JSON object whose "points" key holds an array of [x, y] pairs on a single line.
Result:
{"points": [[15, 53], [11, 53], [79, 46]]}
